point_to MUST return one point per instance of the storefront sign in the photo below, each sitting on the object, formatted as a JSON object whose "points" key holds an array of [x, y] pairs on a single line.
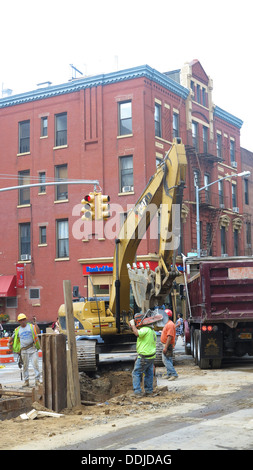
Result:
{"points": [[98, 268]]}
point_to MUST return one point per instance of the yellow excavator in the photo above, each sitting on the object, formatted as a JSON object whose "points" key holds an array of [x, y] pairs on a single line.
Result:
{"points": [[106, 329]]}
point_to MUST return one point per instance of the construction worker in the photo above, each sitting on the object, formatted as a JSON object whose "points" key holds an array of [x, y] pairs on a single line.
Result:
{"points": [[168, 339], [25, 342], [144, 364]]}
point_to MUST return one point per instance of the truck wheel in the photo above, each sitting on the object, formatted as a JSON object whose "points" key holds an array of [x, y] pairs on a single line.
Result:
{"points": [[202, 362]]}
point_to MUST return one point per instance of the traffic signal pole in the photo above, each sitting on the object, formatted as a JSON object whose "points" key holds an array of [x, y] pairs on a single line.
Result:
{"points": [[52, 183]]}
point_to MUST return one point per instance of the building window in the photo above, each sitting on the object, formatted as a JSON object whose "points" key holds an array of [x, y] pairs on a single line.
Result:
{"points": [[232, 151], [43, 128], [205, 139], [223, 240], [25, 241], [43, 235], [204, 97], [175, 125], [34, 293], [62, 234], [42, 180], [125, 118], [101, 289], [60, 129], [221, 193], [236, 251], [158, 120], [24, 194], [11, 302], [218, 146], [195, 138], [24, 137], [61, 190], [248, 234], [246, 191], [198, 93], [126, 176], [234, 195]]}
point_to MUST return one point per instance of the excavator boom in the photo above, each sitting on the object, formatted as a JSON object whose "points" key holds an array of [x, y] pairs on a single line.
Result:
{"points": [[163, 192]]}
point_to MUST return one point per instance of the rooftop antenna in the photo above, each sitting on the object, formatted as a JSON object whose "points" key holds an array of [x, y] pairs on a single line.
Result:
{"points": [[74, 70]]}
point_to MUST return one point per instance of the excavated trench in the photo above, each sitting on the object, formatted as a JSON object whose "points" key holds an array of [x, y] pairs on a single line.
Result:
{"points": [[106, 383]]}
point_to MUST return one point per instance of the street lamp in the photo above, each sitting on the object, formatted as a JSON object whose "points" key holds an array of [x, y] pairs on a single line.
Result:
{"points": [[234, 175]]}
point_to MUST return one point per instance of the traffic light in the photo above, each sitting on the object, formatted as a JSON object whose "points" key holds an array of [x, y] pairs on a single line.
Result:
{"points": [[89, 207], [103, 208]]}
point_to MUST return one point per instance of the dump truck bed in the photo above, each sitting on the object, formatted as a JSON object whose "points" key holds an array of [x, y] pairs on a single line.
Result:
{"points": [[221, 289]]}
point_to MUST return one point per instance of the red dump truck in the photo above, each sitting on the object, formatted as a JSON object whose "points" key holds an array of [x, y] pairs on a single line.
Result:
{"points": [[219, 319]]}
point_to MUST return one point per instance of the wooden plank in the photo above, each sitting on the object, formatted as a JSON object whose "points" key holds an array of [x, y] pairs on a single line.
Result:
{"points": [[54, 371], [59, 372], [74, 396]]}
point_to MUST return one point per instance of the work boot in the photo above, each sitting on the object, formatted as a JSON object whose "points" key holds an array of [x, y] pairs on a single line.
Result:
{"points": [[26, 384]]}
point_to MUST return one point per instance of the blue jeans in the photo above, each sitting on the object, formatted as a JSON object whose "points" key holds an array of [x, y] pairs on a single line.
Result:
{"points": [[168, 362], [146, 367]]}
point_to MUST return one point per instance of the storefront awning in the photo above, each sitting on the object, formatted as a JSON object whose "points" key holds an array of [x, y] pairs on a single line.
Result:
{"points": [[8, 286]]}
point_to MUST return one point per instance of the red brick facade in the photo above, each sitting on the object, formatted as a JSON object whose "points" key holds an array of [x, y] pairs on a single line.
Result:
{"points": [[93, 150]]}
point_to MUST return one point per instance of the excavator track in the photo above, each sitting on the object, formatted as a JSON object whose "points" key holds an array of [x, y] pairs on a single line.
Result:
{"points": [[87, 356], [159, 350]]}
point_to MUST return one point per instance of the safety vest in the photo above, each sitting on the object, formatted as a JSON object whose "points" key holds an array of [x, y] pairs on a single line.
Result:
{"points": [[16, 342]]}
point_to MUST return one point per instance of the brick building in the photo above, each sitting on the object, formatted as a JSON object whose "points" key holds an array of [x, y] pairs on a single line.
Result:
{"points": [[247, 165], [113, 128]]}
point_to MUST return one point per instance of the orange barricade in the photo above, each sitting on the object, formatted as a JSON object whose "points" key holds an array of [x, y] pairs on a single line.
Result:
{"points": [[5, 354]]}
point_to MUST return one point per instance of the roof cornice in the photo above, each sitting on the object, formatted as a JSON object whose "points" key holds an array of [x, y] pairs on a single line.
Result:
{"points": [[222, 114], [94, 81]]}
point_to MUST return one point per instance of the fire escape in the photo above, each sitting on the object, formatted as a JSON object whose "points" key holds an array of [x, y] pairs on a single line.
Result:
{"points": [[211, 203]]}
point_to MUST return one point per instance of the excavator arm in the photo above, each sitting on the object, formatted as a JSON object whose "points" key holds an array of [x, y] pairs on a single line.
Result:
{"points": [[163, 192]]}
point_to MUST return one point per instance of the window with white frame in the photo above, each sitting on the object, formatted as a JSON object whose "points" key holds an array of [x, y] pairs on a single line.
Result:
{"points": [[126, 175], [62, 238], [44, 125], [125, 118], [61, 190], [60, 129], [158, 120], [25, 241], [175, 125], [219, 145], [23, 193], [24, 136]]}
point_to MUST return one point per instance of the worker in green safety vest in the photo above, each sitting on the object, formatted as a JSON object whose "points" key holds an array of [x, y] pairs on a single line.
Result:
{"points": [[26, 343]]}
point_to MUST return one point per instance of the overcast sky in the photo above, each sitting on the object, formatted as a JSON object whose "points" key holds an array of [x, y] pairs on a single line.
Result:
{"points": [[40, 39]]}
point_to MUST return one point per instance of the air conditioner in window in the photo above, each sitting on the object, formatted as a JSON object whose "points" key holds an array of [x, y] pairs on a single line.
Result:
{"points": [[236, 209], [225, 255], [222, 206], [127, 189], [25, 257], [234, 164]]}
